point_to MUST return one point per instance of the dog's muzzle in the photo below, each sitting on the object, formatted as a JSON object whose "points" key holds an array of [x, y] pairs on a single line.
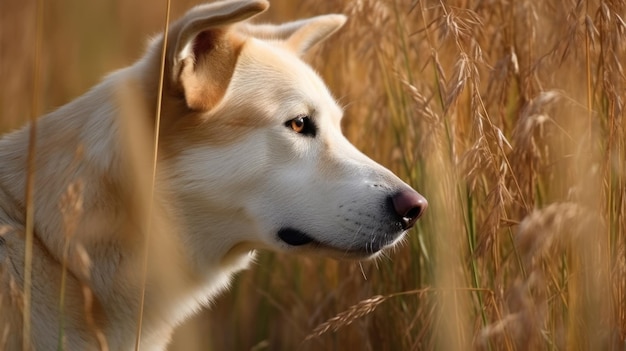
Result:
{"points": [[404, 208]]}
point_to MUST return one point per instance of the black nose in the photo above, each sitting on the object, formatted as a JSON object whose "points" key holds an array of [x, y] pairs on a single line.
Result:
{"points": [[409, 205]]}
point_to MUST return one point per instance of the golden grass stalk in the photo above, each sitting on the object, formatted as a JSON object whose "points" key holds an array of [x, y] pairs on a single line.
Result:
{"points": [[30, 180], [155, 151], [345, 318], [71, 208]]}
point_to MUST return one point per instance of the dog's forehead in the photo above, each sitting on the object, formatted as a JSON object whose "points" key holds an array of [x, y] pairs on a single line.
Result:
{"points": [[276, 74]]}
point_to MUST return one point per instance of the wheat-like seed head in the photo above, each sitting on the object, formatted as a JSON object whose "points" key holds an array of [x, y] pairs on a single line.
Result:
{"points": [[345, 318]]}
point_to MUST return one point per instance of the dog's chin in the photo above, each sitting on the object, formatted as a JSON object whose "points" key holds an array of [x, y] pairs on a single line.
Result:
{"points": [[304, 243]]}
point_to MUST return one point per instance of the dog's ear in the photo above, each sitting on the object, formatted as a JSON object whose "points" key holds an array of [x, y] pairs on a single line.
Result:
{"points": [[313, 31], [300, 35], [203, 51]]}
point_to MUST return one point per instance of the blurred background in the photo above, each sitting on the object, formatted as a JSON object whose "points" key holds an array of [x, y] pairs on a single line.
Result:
{"points": [[507, 115]]}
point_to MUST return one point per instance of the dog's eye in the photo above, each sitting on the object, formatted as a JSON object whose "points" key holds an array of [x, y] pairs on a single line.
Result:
{"points": [[302, 125]]}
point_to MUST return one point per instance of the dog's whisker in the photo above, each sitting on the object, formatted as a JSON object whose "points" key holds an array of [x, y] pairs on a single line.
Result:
{"points": [[362, 270]]}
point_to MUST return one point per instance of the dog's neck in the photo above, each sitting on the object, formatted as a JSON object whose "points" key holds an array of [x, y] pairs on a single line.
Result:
{"points": [[105, 190]]}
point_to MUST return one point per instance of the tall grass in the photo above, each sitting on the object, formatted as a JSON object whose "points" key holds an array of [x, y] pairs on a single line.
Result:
{"points": [[507, 115]]}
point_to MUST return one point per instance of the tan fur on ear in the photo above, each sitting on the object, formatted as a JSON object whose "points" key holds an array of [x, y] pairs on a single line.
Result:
{"points": [[205, 78], [205, 52], [300, 35]]}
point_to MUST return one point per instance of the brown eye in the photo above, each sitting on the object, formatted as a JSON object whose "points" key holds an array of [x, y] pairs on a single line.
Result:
{"points": [[297, 124], [302, 125]]}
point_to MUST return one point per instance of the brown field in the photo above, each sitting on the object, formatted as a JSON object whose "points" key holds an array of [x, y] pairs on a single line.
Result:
{"points": [[507, 115]]}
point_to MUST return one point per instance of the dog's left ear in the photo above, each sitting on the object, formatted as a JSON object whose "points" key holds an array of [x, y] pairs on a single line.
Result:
{"points": [[299, 36]]}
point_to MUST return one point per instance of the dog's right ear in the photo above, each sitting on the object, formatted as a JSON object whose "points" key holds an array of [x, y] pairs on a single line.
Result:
{"points": [[203, 52]]}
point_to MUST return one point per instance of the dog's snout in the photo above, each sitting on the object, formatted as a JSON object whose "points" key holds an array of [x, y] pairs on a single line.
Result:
{"points": [[409, 205]]}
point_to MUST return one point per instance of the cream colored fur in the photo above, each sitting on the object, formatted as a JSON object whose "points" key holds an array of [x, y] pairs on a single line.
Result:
{"points": [[232, 174]]}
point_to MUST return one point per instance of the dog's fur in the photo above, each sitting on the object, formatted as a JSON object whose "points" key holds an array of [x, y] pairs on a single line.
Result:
{"points": [[251, 156]]}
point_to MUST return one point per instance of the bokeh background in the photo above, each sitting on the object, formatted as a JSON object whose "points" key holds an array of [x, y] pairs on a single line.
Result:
{"points": [[507, 115]]}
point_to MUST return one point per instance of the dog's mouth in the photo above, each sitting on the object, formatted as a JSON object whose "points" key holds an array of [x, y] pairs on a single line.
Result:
{"points": [[297, 238], [294, 237]]}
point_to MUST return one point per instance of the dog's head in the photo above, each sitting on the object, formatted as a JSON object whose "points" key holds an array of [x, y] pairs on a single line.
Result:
{"points": [[257, 154]]}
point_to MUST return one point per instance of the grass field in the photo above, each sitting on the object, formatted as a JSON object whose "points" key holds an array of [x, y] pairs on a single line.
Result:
{"points": [[507, 115]]}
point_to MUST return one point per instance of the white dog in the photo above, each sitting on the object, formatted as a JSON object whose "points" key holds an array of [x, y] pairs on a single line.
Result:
{"points": [[251, 156]]}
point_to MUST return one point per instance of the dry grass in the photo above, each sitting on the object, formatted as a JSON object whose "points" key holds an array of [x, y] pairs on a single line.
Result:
{"points": [[507, 115]]}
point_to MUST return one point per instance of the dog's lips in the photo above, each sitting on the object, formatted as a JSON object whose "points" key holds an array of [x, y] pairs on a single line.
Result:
{"points": [[297, 238], [294, 237]]}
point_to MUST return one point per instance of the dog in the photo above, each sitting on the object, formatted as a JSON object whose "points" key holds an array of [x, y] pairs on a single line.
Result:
{"points": [[250, 156]]}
